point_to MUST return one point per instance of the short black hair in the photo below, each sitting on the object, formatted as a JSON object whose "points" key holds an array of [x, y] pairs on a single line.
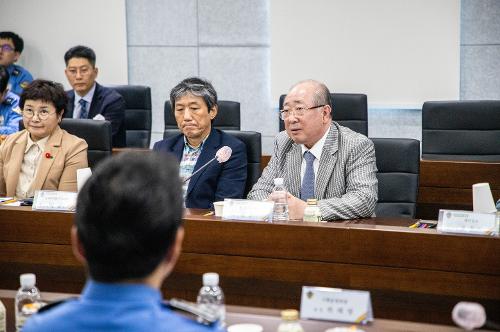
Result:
{"points": [[80, 51], [197, 87], [16, 40], [128, 214], [48, 91], [4, 79]]}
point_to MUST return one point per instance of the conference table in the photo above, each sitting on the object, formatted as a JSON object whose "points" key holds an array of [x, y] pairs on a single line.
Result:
{"points": [[269, 319], [412, 274]]}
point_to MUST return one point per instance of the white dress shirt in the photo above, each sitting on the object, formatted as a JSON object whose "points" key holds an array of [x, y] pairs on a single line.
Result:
{"points": [[77, 108], [316, 151]]}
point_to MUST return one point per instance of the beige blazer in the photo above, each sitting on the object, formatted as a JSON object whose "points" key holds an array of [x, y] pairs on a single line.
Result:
{"points": [[68, 153]]}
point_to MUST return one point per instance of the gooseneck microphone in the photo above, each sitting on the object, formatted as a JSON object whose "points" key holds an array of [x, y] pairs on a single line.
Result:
{"points": [[222, 155]]}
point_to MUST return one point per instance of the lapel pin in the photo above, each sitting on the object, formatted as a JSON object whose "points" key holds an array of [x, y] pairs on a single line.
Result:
{"points": [[48, 155]]}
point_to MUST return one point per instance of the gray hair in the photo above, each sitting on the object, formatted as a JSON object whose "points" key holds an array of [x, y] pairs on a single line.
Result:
{"points": [[321, 93], [196, 87]]}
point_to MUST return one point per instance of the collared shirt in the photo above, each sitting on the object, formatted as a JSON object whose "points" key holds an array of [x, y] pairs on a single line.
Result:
{"points": [[9, 116], [29, 166], [316, 151], [189, 158], [19, 79], [113, 307], [88, 98]]}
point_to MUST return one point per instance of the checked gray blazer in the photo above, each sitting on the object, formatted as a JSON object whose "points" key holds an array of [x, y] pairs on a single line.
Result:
{"points": [[346, 182]]}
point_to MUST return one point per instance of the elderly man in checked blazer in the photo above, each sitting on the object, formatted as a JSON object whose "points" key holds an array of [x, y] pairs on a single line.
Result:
{"points": [[320, 159]]}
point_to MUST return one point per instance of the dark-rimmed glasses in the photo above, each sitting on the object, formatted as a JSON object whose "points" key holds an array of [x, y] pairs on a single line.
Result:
{"points": [[42, 114]]}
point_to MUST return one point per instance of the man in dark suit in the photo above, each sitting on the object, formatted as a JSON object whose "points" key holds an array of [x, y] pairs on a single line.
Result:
{"points": [[90, 100], [194, 103]]}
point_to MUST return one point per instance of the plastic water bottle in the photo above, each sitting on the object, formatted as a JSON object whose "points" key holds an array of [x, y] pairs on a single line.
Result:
{"points": [[290, 321], [312, 213], [211, 296], [280, 201], [27, 299]]}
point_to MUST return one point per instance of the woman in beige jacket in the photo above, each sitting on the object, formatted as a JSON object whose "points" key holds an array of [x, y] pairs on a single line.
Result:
{"points": [[42, 156]]}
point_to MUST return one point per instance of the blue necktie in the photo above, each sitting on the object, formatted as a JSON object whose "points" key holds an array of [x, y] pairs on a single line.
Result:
{"points": [[307, 189], [84, 113]]}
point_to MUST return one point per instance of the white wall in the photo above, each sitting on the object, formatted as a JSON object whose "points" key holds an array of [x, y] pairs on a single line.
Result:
{"points": [[398, 52], [50, 27]]}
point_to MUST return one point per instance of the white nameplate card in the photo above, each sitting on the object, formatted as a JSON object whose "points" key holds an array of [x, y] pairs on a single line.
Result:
{"points": [[467, 222], [52, 200], [335, 304], [246, 209]]}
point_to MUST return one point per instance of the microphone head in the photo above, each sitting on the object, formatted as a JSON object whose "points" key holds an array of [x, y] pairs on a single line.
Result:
{"points": [[223, 154], [469, 315]]}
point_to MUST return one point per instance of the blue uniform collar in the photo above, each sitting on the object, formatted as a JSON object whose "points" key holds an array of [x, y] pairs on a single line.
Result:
{"points": [[116, 292], [11, 69]]}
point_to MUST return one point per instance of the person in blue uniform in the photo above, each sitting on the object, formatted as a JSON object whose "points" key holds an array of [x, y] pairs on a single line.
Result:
{"points": [[128, 233], [9, 109], [11, 47], [194, 103], [90, 100]]}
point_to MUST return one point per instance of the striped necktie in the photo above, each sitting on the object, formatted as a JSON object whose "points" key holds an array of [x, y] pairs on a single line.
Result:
{"points": [[84, 112], [307, 189]]}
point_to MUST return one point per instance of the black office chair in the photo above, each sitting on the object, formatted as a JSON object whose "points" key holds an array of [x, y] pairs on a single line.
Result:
{"points": [[398, 162], [137, 114], [228, 116], [348, 109], [253, 143], [97, 134], [461, 130]]}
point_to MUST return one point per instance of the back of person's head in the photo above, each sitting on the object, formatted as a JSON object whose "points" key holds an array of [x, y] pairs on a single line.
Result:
{"points": [[4, 79], [128, 214], [16, 40], [80, 51], [48, 91], [197, 87]]}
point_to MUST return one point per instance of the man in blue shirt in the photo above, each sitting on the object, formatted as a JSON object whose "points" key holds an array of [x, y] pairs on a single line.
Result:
{"points": [[9, 110], [11, 46], [128, 233]]}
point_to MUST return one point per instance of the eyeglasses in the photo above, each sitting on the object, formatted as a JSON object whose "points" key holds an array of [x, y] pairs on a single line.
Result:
{"points": [[6, 48], [296, 111], [42, 114]]}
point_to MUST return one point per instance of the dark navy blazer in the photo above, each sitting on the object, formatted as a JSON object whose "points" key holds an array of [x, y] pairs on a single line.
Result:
{"points": [[216, 181], [110, 104]]}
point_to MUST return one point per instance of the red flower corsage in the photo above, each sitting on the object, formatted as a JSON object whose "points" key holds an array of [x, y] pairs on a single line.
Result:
{"points": [[48, 155]]}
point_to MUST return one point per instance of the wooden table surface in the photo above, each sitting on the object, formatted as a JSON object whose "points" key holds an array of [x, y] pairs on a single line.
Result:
{"points": [[269, 319], [412, 274]]}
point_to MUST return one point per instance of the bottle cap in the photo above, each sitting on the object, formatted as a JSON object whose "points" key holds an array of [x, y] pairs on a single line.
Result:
{"points": [[210, 279], [27, 280], [312, 201], [278, 181], [289, 314]]}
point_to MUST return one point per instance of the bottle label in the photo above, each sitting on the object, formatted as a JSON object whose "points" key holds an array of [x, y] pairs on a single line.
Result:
{"points": [[27, 310]]}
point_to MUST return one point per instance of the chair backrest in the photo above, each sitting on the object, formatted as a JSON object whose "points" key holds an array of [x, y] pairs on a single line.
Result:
{"points": [[97, 134], [348, 109], [253, 143], [461, 130], [137, 114], [398, 163], [228, 116]]}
